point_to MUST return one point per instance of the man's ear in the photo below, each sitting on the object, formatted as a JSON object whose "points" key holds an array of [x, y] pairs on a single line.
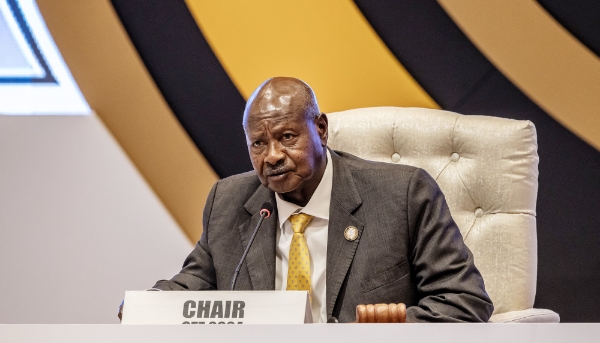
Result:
{"points": [[322, 127]]}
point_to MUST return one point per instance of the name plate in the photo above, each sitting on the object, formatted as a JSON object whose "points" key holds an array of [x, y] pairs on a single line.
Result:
{"points": [[217, 307]]}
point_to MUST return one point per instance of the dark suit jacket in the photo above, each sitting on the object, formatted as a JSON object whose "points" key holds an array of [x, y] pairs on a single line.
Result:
{"points": [[409, 249]]}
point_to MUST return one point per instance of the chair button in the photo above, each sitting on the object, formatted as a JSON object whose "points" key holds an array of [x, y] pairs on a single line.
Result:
{"points": [[395, 157], [454, 157], [478, 212]]}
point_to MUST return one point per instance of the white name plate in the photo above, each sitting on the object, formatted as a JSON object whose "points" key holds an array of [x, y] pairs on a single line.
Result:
{"points": [[217, 307]]}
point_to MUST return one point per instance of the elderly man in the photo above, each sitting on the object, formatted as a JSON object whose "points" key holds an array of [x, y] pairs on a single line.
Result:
{"points": [[369, 232]]}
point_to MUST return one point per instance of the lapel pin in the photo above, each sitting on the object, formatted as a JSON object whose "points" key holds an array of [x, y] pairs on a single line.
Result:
{"points": [[351, 233]]}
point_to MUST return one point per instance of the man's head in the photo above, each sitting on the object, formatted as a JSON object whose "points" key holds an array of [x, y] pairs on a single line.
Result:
{"points": [[287, 138]]}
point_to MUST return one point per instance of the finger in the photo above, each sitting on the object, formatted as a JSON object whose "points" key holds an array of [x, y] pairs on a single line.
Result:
{"points": [[382, 313], [394, 316], [370, 313], [402, 313], [361, 314]]}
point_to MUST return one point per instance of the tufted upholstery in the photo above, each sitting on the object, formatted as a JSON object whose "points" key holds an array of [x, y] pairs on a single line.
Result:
{"points": [[487, 168]]}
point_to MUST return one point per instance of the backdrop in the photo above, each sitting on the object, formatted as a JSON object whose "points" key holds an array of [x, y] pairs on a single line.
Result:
{"points": [[520, 61], [508, 58]]}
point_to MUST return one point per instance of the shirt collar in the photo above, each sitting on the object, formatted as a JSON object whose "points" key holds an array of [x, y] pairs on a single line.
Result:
{"points": [[318, 205]]}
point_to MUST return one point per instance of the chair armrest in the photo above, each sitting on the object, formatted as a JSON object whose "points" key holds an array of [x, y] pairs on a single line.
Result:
{"points": [[532, 315]]}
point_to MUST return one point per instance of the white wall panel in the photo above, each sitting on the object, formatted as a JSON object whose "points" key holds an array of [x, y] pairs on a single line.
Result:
{"points": [[78, 223]]}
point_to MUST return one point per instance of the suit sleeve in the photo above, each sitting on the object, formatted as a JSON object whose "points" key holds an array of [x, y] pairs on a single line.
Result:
{"points": [[450, 286], [198, 272]]}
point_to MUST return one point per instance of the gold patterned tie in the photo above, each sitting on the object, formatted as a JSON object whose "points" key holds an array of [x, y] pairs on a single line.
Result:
{"points": [[298, 278]]}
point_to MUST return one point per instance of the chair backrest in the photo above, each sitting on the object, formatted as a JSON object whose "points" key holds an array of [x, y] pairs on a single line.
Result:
{"points": [[487, 168]]}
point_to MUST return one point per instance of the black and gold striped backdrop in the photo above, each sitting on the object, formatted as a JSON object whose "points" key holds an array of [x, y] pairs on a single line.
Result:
{"points": [[522, 60]]}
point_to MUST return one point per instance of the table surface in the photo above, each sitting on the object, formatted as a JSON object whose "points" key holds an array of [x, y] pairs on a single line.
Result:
{"points": [[314, 333]]}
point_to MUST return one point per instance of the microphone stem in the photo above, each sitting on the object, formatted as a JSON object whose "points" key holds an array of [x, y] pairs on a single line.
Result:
{"points": [[239, 266]]}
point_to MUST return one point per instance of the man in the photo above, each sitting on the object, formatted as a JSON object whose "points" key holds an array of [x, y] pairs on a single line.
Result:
{"points": [[369, 232]]}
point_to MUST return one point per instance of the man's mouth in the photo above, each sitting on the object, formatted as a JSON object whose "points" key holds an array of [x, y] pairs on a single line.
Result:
{"points": [[277, 174]]}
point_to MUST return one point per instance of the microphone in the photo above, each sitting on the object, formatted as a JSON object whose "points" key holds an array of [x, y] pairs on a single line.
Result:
{"points": [[265, 212]]}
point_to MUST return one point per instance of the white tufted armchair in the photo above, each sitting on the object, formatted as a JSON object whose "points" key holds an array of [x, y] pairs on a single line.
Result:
{"points": [[487, 168]]}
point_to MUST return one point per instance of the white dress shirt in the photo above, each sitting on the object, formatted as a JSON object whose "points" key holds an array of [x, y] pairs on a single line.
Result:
{"points": [[316, 239]]}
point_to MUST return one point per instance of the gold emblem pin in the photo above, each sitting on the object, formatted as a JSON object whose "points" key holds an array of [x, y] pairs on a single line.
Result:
{"points": [[351, 233]]}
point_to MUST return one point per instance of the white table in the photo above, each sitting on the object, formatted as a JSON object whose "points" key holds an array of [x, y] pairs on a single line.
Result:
{"points": [[313, 333]]}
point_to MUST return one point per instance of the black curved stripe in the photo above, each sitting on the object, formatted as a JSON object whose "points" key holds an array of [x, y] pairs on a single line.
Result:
{"points": [[191, 79], [581, 18], [430, 46], [451, 69]]}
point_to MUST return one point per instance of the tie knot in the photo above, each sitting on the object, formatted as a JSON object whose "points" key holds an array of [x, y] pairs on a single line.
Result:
{"points": [[300, 222]]}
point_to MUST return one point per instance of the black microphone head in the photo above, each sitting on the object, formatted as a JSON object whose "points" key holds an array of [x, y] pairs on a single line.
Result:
{"points": [[266, 209]]}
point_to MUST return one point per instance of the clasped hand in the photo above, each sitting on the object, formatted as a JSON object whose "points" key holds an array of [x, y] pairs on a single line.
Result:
{"points": [[381, 313]]}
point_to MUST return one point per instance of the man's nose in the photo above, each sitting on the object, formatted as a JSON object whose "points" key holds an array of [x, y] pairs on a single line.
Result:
{"points": [[275, 154]]}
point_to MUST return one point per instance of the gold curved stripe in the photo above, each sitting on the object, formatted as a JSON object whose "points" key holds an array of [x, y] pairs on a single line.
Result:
{"points": [[328, 44], [539, 56], [117, 86]]}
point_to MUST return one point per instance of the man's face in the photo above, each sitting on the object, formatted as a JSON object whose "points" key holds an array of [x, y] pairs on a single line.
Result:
{"points": [[287, 151]]}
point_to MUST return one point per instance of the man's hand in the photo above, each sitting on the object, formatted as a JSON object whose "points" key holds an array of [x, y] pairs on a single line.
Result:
{"points": [[120, 315], [381, 313]]}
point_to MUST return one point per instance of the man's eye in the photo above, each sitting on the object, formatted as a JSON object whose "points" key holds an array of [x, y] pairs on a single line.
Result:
{"points": [[257, 144], [288, 136]]}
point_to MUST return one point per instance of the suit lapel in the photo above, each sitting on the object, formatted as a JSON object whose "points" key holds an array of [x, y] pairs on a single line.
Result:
{"points": [[345, 200], [260, 261], [340, 252]]}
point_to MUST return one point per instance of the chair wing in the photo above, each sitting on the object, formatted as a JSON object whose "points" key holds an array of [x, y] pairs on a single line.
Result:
{"points": [[487, 168]]}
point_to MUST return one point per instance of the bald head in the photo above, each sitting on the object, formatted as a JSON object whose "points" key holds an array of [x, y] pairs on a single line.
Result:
{"points": [[282, 94], [287, 138]]}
